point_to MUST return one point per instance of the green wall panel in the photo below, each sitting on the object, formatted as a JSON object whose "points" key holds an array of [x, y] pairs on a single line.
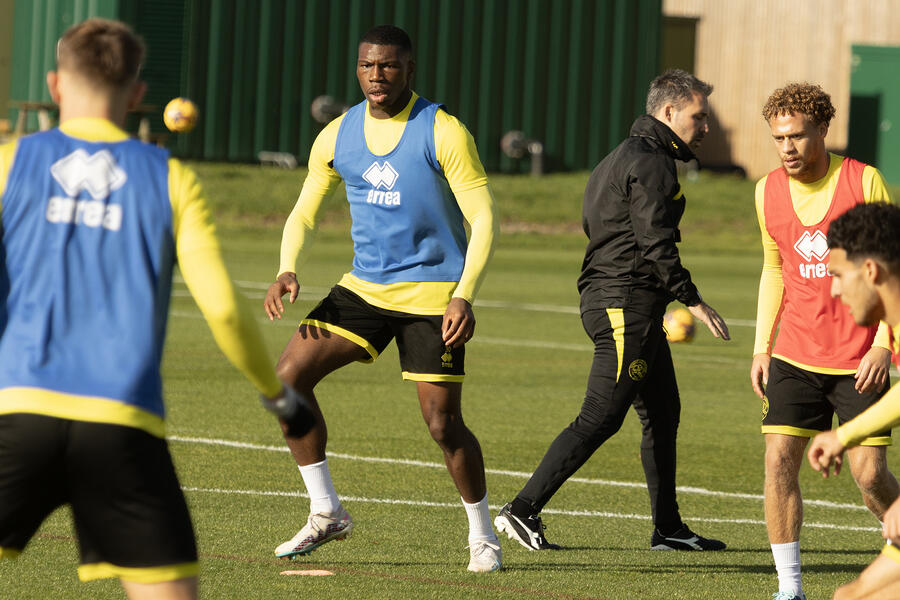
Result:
{"points": [[874, 128], [572, 74]]}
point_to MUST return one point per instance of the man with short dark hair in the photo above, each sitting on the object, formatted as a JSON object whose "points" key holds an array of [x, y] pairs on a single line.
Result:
{"points": [[631, 271], [864, 263], [91, 224], [413, 177], [821, 363]]}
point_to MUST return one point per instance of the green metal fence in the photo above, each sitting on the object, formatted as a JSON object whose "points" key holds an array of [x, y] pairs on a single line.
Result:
{"points": [[571, 74]]}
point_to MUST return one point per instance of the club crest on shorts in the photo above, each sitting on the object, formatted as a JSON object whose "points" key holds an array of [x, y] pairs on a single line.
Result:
{"points": [[447, 358], [637, 370], [765, 407]]}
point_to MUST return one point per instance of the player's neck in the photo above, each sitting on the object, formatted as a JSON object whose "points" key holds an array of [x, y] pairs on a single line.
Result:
{"points": [[890, 296]]}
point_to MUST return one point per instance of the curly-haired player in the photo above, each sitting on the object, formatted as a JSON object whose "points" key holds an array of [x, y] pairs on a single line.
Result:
{"points": [[822, 362]]}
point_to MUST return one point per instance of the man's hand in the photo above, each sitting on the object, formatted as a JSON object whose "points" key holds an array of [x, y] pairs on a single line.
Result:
{"points": [[872, 372], [759, 373], [891, 528], [292, 409], [286, 282], [459, 323], [826, 450], [707, 314]]}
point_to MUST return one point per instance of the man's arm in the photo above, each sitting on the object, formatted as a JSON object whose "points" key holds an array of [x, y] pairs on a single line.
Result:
{"points": [[300, 227], [204, 272], [458, 157], [769, 301]]}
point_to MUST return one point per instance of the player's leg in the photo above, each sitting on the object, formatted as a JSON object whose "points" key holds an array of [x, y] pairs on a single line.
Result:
{"points": [[130, 514], [879, 581], [617, 373], [659, 408], [795, 409], [441, 408], [878, 486], [340, 330], [31, 476], [868, 462], [182, 589]]}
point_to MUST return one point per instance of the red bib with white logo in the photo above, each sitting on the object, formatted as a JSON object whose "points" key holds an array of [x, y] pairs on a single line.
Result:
{"points": [[815, 329]]}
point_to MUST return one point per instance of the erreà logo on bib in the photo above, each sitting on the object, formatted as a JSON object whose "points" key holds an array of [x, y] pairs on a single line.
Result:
{"points": [[812, 247], [96, 173], [382, 178]]}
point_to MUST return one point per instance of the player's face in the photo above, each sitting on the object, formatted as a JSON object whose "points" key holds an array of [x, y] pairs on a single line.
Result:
{"points": [[801, 146], [850, 285], [689, 121], [384, 74]]}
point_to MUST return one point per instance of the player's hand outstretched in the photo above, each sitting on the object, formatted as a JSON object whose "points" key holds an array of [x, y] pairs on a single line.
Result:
{"points": [[286, 282], [459, 323], [708, 315], [826, 450], [890, 530], [873, 369]]}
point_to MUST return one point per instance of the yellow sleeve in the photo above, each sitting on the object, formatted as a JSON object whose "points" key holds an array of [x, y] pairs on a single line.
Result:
{"points": [[457, 154], [874, 187], [771, 283], [458, 157], [320, 182], [7, 153], [204, 272], [882, 336], [477, 206], [884, 414]]}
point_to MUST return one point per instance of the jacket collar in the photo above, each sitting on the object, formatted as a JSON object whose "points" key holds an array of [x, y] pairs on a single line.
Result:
{"points": [[649, 127]]}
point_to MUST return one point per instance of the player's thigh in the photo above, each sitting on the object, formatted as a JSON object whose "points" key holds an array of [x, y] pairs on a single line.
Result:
{"points": [[659, 404], [440, 402], [32, 482], [341, 329], [848, 403], [796, 401], [879, 581], [423, 355], [127, 503]]}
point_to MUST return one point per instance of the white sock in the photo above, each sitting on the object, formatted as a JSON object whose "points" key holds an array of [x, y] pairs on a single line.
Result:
{"points": [[323, 498], [479, 521], [787, 563]]}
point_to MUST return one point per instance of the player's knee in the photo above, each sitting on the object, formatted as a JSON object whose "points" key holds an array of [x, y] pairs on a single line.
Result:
{"points": [[445, 429], [780, 464]]}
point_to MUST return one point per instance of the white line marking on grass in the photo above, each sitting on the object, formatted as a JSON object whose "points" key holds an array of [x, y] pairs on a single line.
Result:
{"points": [[517, 474], [546, 511], [315, 292]]}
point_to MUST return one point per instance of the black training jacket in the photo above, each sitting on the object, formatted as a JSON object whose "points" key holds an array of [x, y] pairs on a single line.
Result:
{"points": [[632, 206]]}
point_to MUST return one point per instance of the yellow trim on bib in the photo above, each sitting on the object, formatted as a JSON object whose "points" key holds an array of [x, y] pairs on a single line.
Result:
{"points": [[431, 377], [162, 574], [814, 369], [881, 440], [348, 335], [892, 552], [617, 321], [79, 408], [9, 553]]}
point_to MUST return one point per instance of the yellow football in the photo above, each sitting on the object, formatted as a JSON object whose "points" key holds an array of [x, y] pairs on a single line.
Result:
{"points": [[180, 115], [679, 325]]}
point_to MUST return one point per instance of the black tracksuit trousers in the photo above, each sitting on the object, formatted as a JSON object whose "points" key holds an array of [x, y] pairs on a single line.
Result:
{"points": [[632, 367]]}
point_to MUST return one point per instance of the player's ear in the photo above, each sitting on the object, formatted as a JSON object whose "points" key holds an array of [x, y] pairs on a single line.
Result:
{"points": [[410, 70], [53, 86], [872, 271], [137, 94]]}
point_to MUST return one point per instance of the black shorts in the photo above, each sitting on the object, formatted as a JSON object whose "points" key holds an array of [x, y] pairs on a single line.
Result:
{"points": [[130, 515], [803, 403], [423, 355]]}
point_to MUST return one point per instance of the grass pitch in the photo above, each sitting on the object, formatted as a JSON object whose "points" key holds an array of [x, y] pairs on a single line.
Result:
{"points": [[527, 367]]}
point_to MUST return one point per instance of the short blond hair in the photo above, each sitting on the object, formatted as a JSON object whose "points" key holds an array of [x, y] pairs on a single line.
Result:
{"points": [[106, 52], [806, 98]]}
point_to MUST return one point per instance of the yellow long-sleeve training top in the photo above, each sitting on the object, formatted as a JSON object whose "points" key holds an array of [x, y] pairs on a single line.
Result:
{"points": [[458, 157]]}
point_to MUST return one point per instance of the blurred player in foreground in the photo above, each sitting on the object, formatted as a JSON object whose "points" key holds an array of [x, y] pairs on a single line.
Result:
{"points": [[631, 271], [822, 362], [413, 177], [865, 266], [92, 224]]}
